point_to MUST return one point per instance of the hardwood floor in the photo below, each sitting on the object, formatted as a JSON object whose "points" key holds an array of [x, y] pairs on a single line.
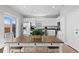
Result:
{"points": [[1, 50], [66, 49]]}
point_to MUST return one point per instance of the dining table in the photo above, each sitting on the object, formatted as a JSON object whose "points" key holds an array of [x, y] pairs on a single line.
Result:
{"points": [[54, 43]]}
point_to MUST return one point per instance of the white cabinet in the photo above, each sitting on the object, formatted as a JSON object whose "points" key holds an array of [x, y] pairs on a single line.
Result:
{"points": [[72, 29], [26, 28]]}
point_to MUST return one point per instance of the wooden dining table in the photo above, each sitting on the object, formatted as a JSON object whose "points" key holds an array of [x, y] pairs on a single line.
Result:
{"points": [[55, 42]]}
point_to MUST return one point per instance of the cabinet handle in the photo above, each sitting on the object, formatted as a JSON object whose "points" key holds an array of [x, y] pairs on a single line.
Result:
{"points": [[76, 32]]}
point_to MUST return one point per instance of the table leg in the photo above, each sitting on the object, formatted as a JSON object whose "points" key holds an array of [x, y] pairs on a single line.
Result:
{"points": [[61, 48]]}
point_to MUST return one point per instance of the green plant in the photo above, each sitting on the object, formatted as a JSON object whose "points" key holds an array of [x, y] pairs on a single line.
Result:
{"points": [[37, 32]]}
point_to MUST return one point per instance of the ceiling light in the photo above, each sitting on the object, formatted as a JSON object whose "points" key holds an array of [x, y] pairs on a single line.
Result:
{"points": [[53, 7], [24, 6]]}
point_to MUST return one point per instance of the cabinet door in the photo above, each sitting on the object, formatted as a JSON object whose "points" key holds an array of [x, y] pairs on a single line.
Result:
{"points": [[72, 29], [26, 28]]}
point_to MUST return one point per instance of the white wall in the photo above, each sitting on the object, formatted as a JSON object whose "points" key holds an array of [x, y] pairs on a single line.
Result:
{"points": [[5, 10]]}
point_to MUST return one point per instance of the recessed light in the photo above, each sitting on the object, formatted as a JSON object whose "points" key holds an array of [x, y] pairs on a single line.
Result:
{"points": [[24, 6], [53, 7]]}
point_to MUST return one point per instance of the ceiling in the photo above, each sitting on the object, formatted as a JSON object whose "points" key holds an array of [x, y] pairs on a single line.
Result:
{"points": [[49, 11]]}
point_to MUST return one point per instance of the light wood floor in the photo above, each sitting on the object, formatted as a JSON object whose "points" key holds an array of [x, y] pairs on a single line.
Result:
{"points": [[66, 49]]}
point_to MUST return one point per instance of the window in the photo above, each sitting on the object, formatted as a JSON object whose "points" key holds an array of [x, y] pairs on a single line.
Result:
{"points": [[6, 24], [9, 25]]}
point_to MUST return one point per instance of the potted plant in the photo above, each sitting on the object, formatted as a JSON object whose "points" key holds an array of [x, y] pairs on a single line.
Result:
{"points": [[37, 35]]}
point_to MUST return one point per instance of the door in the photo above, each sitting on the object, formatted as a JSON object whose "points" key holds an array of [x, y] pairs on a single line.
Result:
{"points": [[72, 29]]}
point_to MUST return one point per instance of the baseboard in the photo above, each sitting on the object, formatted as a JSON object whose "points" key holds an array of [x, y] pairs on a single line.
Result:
{"points": [[71, 47]]}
